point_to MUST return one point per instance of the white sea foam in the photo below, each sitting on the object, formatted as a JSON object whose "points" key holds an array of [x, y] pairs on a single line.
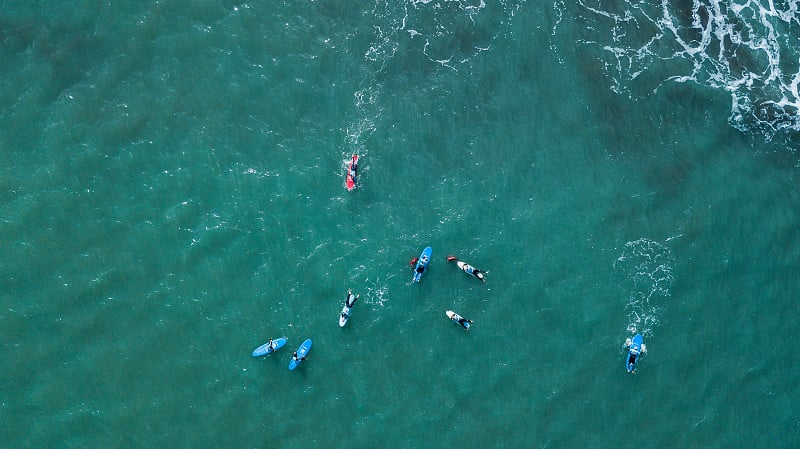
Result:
{"points": [[749, 50], [647, 268], [377, 290]]}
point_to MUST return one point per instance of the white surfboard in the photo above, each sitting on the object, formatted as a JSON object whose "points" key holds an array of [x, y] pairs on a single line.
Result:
{"points": [[469, 269], [349, 301], [344, 316], [456, 318]]}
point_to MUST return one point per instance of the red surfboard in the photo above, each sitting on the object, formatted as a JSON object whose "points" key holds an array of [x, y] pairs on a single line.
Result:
{"points": [[352, 170]]}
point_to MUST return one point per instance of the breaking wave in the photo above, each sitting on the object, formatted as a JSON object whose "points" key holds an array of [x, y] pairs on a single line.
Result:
{"points": [[749, 49]]}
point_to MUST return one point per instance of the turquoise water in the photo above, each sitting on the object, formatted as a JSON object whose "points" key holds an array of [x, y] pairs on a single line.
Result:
{"points": [[172, 194]]}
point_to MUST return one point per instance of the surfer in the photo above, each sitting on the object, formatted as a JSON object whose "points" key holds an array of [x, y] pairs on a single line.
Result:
{"points": [[350, 179], [270, 345], [351, 298], [467, 268], [642, 347], [421, 268], [298, 359], [464, 322], [354, 168], [632, 357], [633, 353]]}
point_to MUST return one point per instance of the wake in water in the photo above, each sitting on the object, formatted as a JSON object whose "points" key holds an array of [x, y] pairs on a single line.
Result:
{"points": [[647, 266], [369, 108], [750, 49]]}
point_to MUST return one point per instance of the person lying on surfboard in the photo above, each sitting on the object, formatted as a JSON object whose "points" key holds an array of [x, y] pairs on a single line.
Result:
{"points": [[421, 267], [349, 301], [478, 273], [633, 354], [351, 298], [464, 322], [351, 178], [642, 347], [467, 268], [354, 168]]}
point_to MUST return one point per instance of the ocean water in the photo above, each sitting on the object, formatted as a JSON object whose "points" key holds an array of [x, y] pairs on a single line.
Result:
{"points": [[172, 196]]}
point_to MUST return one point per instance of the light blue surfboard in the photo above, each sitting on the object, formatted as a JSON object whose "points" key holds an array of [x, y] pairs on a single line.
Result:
{"points": [[634, 352], [265, 349], [422, 263], [301, 353]]}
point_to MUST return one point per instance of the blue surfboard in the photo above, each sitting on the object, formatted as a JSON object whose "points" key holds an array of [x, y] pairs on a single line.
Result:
{"points": [[268, 348], [302, 351], [634, 352], [422, 263]]}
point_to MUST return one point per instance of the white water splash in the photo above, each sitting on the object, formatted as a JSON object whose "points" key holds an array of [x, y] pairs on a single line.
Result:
{"points": [[647, 266], [377, 290], [750, 49], [368, 104]]}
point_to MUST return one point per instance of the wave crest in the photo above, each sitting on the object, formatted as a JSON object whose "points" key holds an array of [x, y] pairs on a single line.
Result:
{"points": [[748, 50]]}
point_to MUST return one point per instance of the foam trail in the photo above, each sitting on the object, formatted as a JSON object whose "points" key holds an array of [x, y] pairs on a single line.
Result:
{"points": [[647, 267]]}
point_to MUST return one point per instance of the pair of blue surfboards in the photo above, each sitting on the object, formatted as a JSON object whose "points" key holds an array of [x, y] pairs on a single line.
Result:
{"points": [[273, 345]]}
